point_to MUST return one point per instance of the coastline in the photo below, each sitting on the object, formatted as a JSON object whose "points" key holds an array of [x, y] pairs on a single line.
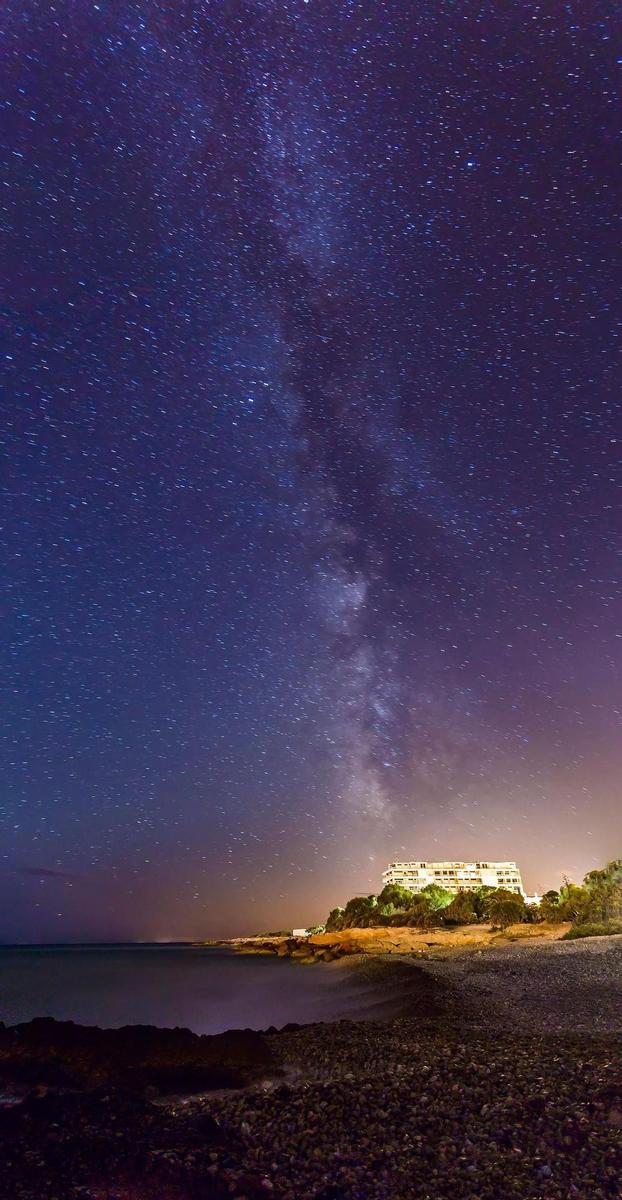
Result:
{"points": [[401, 940], [497, 1075]]}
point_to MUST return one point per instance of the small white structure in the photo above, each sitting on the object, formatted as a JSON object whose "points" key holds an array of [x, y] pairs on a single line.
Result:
{"points": [[300, 932]]}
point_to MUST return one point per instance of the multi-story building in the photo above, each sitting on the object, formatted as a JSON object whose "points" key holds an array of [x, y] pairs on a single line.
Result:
{"points": [[454, 876]]}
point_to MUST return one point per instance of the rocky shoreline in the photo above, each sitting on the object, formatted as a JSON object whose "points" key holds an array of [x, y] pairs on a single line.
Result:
{"points": [[61, 1054], [500, 1079], [428, 943]]}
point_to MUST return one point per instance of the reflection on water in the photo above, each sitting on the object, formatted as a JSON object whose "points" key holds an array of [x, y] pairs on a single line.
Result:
{"points": [[207, 990]]}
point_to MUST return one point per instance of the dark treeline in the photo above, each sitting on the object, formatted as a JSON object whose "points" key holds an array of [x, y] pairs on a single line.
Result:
{"points": [[594, 905]]}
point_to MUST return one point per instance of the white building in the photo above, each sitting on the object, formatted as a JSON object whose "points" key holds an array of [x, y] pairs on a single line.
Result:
{"points": [[454, 876]]}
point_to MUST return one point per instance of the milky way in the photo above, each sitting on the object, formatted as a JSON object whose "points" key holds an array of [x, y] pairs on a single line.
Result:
{"points": [[310, 550]]}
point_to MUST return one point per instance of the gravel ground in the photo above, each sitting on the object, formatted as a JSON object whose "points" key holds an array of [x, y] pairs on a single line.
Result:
{"points": [[553, 987], [391, 1114], [514, 1090]]}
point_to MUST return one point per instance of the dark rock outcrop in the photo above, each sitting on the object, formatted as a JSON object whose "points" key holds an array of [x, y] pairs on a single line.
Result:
{"points": [[134, 1057]]}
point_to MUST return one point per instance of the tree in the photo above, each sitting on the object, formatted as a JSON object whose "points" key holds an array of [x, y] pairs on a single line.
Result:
{"points": [[393, 902], [574, 903], [388, 914], [360, 912], [334, 920], [395, 894], [549, 906], [598, 899], [420, 914], [605, 891], [480, 900], [461, 910], [533, 914], [612, 873], [505, 908], [438, 897]]}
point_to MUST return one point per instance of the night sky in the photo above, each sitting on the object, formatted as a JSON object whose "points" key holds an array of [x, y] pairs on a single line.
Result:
{"points": [[311, 530]]}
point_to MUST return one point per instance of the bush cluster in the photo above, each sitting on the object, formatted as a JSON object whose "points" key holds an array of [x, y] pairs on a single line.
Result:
{"points": [[433, 906], [603, 929], [597, 901]]}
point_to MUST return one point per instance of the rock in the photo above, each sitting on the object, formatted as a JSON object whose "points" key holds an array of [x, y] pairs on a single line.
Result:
{"points": [[134, 1057]]}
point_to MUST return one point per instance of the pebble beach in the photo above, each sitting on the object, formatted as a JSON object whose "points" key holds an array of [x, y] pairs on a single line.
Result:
{"points": [[500, 1079], [515, 1092]]}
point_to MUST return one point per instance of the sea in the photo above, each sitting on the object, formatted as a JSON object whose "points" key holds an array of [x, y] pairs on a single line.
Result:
{"points": [[204, 989]]}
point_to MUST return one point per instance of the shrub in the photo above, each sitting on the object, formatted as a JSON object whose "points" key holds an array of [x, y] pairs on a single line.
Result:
{"points": [[549, 906], [598, 900], [505, 908], [593, 929], [531, 914], [420, 914], [574, 904], [480, 900], [605, 891], [360, 912], [334, 921], [461, 910]]}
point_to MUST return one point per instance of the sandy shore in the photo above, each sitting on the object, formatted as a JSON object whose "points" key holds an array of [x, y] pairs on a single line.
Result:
{"points": [[501, 1079]]}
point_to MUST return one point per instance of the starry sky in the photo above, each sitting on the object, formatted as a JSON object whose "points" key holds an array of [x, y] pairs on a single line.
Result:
{"points": [[310, 538]]}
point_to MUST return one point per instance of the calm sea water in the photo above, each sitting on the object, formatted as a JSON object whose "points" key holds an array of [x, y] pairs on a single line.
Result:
{"points": [[207, 990]]}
